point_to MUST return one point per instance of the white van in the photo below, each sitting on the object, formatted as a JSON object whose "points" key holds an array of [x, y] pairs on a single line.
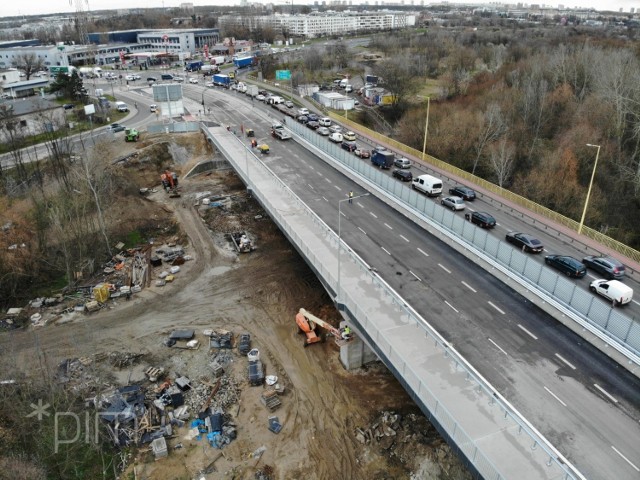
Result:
{"points": [[432, 186], [122, 107], [348, 88], [325, 122], [343, 83], [613, 290]]}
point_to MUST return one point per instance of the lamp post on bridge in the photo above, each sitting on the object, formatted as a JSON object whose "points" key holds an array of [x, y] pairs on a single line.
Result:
{"points": [[593, 174]]}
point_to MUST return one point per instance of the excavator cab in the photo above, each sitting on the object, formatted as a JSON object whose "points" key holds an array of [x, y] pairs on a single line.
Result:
{"points": [[307, 323]]}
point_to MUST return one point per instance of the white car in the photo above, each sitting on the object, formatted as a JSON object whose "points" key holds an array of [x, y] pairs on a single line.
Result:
{"points": [[208, 84], [193, 80], [130, 77], [336, 137], [136, 77], [153, 108], [260, 98]]}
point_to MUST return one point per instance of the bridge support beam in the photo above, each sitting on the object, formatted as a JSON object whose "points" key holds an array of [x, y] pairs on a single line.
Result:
{"points": [[356, 353]]}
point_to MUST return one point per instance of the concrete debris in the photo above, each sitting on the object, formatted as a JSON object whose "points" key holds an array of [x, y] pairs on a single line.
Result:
{"points": [[221, 339], [154, 374], [269, 399], [124, 359], [159, 447], [265, 473]]}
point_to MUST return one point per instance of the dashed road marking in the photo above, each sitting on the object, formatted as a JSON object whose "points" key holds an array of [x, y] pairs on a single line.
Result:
{"points": [[386, 251], [498, 347], [625, 459], [404, 238], [496, 308], [454, 309], [567, 362], [325, 199], [423, 252], [444, 268], [469, 287], [362, 230], [373, 215], [527, 332], [417, 278], [388, 226], [607, 394], [555, 396], [338, 188]]}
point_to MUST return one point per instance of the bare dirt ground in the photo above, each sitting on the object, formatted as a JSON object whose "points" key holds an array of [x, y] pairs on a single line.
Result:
{"points": [[323, 405]]}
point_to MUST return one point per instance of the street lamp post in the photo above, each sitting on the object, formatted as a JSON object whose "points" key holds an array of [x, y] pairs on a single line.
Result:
{"points": [[426, 128], [593, 174], [340, 237]]}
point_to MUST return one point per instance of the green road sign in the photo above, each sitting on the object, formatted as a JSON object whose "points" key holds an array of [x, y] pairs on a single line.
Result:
{"points": [[283, 75]]}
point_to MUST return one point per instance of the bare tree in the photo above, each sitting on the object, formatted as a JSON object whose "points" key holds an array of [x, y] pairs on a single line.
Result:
{"points": [[29, 63], [397, 78], [493, 126], [501, 160]]}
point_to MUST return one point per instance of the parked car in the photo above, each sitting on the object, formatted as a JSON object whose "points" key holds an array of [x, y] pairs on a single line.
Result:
{"points": [[153, 108], [349, 146], [606, 266], [567, 265], [402, 162], [313, 125], [324, 131], [303, 119], [465, 193], [454, 203], [288, 104], [404, 175], [116, 127], [349, 136], [526, 242], [362, 152], [482, 219], [336, 137]]}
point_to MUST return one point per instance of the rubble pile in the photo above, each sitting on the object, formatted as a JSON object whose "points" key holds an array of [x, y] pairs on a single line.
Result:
{"points": [[124, 359], [78, 376]]}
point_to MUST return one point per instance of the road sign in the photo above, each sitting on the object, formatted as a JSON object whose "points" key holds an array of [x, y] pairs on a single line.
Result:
{"points": [[283, 74]]}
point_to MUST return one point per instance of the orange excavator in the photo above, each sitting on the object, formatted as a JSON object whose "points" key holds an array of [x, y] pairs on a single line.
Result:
{"points": [[307, 323], [170, 183]]}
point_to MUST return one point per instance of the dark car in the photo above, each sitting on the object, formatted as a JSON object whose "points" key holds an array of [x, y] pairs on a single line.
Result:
{"points": [[482, 219], [349, 146], [152, 79], [525, 241], [68, 106], [313, 117], [609, 267], [404, 175], [303, 119], [466, 193], [567, 265], [313, 125], [116, 127]]}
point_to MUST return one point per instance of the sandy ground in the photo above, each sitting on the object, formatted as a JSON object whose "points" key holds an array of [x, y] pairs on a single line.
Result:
{"points": [[259, 293]]}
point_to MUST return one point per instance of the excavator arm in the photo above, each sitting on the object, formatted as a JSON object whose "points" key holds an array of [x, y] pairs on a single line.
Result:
{"points": [[307, 323]]}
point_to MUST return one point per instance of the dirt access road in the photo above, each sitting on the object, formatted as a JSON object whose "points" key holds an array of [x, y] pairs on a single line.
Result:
{"points": [[259, 292]]}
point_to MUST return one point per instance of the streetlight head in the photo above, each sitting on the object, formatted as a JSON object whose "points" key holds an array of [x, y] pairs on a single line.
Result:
{"points": [[592, 145]]}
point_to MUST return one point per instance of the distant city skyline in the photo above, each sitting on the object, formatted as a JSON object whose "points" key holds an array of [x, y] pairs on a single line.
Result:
{"points": [[36, 7]]}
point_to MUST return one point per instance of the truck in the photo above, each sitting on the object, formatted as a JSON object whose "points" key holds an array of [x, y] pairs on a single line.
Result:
{"points": [[221, 80], [217, 60], [243, 62], [252, 90], [193, 66], [382, 158], [208, 69], [372, 79]]}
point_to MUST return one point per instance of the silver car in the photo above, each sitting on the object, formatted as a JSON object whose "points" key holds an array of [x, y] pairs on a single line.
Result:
{"points": [[454, 203], [402, 162], [324, 131]]}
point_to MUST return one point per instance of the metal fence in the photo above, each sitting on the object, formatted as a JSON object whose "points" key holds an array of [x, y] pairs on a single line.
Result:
{"points": [[591, 308], [396, 356], [493, 188], [174, 127]]}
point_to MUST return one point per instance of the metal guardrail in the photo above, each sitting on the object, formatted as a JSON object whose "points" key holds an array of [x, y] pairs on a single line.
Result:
{"points": [[612, 323], [397, 357], [599, 237]]}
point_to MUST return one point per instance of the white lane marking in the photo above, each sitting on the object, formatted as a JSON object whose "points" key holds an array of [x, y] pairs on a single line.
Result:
{"points": [[634, 301], [555, 396], [527, 332], [609, 396], [325, 199], [454, 309], [388, 226], [311, 167], [469, 286], [625, 458], [339, 189], [592, 276], [309, 185], [360, 205], [566, 361], [362, 230], [417, 277], [498, 346], [404, 238], [496, 308], [320, 173], [328, 180], [444, 268], [373, 215], [423, 252], [341, 213], [386, 251]]}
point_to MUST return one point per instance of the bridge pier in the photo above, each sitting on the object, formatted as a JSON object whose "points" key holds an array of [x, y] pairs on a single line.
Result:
{"points": [[356, 353]]}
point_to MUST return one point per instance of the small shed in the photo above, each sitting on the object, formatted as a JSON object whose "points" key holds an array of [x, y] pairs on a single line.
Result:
{"points": [[334, 100]]}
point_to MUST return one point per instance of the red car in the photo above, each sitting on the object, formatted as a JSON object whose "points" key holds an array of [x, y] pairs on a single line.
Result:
{"points": [[362, 152]]}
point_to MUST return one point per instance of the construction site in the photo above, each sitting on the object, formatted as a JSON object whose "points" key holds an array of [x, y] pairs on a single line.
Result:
{"points": [[212, 351]]}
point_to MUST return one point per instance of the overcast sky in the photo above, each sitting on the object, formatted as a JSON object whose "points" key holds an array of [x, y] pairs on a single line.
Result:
{"points": [[34, 7]]}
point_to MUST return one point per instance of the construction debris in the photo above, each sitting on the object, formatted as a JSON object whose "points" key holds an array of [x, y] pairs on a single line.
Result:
{"points": [[242, 242], [269, 399]]}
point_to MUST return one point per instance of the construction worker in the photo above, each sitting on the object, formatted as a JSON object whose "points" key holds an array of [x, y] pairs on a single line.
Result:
{"points": [[346, 333], [351, 196]]}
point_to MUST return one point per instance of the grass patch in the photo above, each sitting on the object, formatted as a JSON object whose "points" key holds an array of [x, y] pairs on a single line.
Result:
{"points": [[134, 238]]}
